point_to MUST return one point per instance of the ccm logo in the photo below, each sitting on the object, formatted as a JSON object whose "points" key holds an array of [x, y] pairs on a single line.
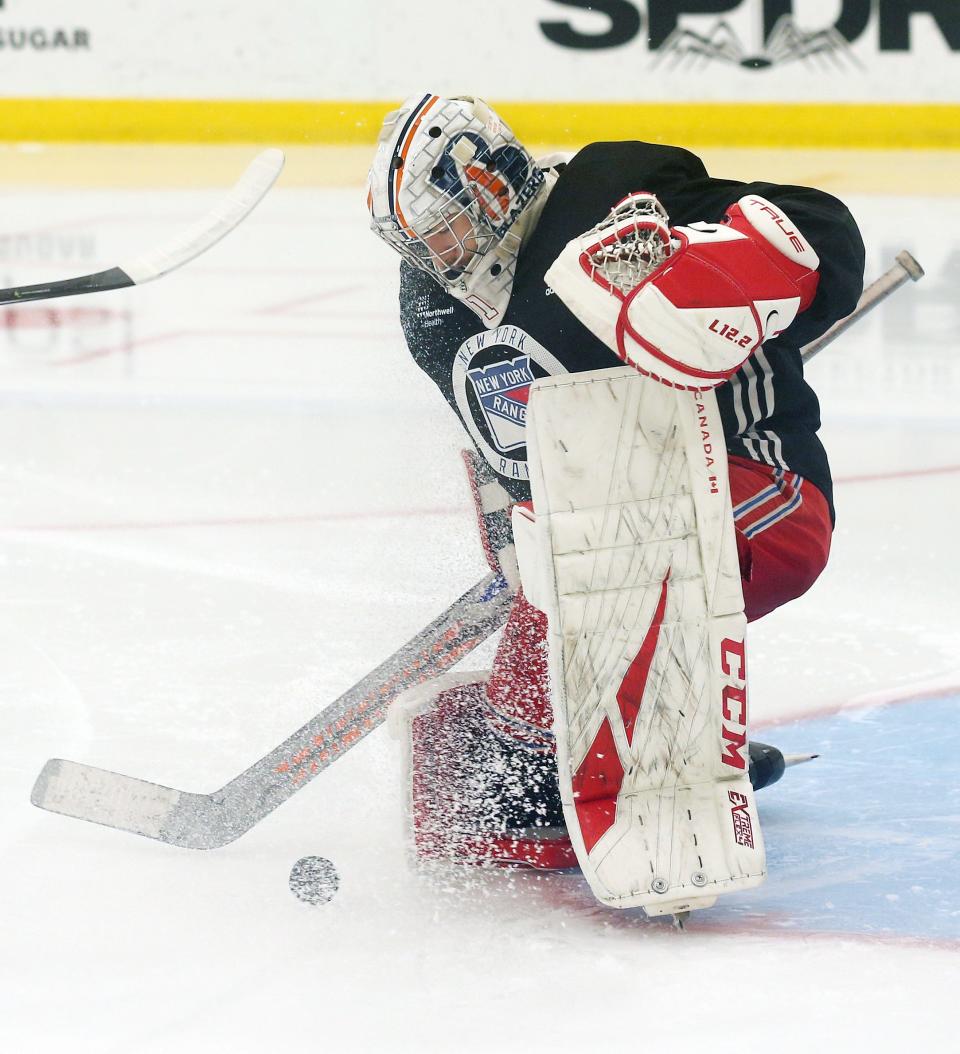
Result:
{"points": [[733, 662], [730, 332]]}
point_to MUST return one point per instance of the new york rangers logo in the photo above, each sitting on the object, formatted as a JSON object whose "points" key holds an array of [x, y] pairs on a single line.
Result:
{"points": [[502, 390], [491, 374]]}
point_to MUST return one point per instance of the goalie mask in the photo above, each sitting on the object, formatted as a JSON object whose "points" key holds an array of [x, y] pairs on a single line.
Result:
{"points": [[449, 186]]}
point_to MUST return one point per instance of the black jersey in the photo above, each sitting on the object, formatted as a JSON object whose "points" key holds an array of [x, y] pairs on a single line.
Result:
{"points": [[769, 412]]}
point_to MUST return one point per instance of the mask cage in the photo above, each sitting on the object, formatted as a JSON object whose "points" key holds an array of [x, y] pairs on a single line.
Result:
{"points": [[433, 243]]}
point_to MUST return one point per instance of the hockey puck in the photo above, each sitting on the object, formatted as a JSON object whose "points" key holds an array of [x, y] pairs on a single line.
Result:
{"points": [[314, 880]]}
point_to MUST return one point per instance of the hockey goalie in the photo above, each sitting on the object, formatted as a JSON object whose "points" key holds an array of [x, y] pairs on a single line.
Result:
{"points": [[619, 334]]}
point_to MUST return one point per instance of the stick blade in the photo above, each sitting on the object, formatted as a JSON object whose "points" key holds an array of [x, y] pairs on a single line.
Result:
{"points": [[191, 821], [99, 796], [236, 205]]}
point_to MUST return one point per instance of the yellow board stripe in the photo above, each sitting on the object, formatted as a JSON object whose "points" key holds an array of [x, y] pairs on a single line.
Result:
{"points": [[927, 126]]}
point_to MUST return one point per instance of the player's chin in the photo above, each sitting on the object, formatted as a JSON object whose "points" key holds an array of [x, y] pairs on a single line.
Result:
{"points": [[453, 269]]}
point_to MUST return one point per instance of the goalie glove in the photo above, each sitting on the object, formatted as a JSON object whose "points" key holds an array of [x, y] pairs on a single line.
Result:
{"points": [[687, 305]]}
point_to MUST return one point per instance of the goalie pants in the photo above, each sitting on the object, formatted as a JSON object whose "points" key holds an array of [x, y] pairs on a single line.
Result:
{"points": [[783, 531]]}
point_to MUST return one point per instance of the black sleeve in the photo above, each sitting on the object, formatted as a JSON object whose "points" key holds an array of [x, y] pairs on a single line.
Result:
{"points": [[603, 173]]}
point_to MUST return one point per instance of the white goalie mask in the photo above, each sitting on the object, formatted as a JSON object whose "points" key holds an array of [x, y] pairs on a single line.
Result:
{"points": [[448, 188]]}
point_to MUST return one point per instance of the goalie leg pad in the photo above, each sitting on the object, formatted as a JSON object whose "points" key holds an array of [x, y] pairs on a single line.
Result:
{"points": [[646, 639], [518, 690], [475, 796]]}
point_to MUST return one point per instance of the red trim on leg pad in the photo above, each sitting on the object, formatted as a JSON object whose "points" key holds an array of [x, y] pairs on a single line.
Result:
{"points": [[596, 784], [634, 683], [518, 690]]}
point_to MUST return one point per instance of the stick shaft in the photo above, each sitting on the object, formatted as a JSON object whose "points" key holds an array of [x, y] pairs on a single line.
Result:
{"points": [[208, 821], [905, 269], [452, 635]]}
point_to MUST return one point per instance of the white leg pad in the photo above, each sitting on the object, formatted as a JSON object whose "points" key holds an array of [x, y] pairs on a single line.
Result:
{"points": [[635, 563], [410, 704], [420, 699], [532, 545]]}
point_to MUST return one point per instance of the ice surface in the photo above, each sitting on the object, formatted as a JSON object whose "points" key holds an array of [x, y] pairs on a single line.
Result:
{"points": [[227, 495]]}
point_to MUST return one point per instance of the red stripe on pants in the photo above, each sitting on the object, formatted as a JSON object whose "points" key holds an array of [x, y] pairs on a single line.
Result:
{"points": [[783, 561], [776, 565]]}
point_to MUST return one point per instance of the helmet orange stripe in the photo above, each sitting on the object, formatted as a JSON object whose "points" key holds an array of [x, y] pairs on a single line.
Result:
{"points": [[398, 178]]}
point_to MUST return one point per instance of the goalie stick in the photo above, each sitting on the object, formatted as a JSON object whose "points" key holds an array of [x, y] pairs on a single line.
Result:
{"points": [[906, 267], [208, 821], [230, 210]]}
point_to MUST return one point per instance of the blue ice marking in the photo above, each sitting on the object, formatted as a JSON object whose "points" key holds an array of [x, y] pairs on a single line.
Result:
{"points": [[866, 839]]}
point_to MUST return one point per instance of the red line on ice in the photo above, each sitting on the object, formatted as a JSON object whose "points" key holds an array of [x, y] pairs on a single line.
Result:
{"points": [[873, 701], [326, 294], [876, 477], [240, 521], [159, 338]]}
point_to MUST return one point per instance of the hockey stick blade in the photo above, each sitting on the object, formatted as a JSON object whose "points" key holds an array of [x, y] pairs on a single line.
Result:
{"points": [[207, 821], [905, 269], [229, 211]]}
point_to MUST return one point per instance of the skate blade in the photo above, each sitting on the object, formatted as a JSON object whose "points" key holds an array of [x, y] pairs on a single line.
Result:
{"points": [[679, 907]]}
